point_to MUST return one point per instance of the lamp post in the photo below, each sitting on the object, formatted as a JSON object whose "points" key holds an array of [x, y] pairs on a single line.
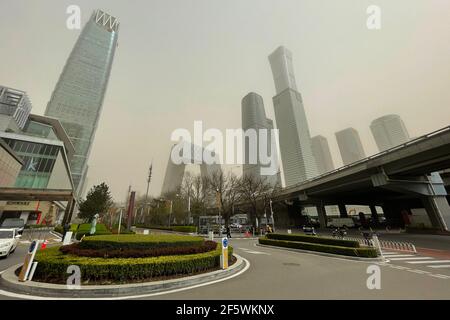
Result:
{"points": [[271, 213], [218, 196], [120, 220]]}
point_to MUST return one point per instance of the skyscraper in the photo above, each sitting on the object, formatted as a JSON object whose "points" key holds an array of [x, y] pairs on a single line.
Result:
{"points": [[389, 131], [78, 96], [295, 140], [15, 107], [254, 117], [350, 145], [322, 154]]}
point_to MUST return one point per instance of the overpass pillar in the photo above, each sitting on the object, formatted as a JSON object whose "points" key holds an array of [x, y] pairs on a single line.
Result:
{"points": [[438, 211], [342, 210], [322, 215], [374, 214]]}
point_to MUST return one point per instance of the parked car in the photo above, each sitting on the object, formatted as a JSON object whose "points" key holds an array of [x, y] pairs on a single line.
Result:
{"points": [[9, 238], [340, 223], [13, 223]]}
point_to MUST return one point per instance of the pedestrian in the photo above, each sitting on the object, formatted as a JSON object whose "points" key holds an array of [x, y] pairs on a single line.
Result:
{"points": [[228, 232]]}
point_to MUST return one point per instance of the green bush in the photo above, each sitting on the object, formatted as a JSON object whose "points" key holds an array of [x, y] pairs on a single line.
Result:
{"points": [[59, 229], [346, 251], [52, 266], [314, 239], [139, 241]]}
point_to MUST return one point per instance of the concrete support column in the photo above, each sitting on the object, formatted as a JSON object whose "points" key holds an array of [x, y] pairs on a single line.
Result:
{"points": [[342, 210], [374, 214], [322, 215], [438, 211], [69, 212]]}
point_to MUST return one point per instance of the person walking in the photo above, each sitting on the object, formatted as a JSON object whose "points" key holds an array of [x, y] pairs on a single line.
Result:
{"points": [[228, 232]]}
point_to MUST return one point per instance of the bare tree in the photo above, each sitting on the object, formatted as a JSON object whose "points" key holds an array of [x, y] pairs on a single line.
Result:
{"points": [[254, 191]]}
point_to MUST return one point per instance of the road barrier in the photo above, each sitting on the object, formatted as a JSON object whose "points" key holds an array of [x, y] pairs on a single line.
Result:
{"points": [[386, 244]]}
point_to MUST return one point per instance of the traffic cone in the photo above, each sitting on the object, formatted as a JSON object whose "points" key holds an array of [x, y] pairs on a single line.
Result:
{"points": [[44, 244]]}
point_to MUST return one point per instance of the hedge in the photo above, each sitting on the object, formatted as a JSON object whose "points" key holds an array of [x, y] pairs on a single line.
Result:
{"points": [[52, 266], [139, 241], [346, 251], [314, 239], [76, 250]]}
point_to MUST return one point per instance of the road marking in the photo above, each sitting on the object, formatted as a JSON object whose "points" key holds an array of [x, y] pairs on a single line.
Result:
{"points": [[418, 271], [398, 255], [254, 252], [432, 261], [413, 258], [399, 267], [440, 276], [440, 266], [30, 297]]}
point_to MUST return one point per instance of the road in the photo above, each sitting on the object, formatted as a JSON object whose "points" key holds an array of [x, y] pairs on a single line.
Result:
{"points": [[281, 274]]}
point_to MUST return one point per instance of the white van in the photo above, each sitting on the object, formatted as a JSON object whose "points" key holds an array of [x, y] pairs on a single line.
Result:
{"points": [[340, 223]]}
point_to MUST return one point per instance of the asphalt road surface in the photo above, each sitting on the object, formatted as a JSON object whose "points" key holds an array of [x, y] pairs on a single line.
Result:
{"points": [[281, 274]]}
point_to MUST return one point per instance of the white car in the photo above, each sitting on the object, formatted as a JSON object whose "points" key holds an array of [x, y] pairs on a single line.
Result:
{"points": [[341, 223], [9, 238]]}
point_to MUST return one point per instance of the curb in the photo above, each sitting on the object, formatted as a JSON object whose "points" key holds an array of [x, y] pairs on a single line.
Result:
{"points": [[9, 282], [380, 259]]}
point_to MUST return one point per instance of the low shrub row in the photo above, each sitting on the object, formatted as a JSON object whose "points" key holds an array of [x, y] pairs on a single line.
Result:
{"points": [[75, 249], [346, 251], [314, 239], [139, 241], [52, 266]]}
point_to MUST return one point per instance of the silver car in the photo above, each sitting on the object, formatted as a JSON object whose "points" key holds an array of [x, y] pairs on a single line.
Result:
{"points": [[9, 238]]}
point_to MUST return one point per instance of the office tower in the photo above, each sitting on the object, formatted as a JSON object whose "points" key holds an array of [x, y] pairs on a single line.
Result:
{"points": [[254, 117], [78, 96], [322, 154], [15, 107], [350, 145], [389, 131], [295, 140]]}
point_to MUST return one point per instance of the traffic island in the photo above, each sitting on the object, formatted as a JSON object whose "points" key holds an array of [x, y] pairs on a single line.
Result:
{"points": [[319, 245], [116, 266]]}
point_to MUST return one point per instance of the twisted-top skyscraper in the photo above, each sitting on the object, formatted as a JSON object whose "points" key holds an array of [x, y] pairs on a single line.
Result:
{"points": [[78, 96], [295, 139]]}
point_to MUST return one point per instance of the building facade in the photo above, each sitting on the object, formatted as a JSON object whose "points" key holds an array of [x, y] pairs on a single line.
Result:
{"points": [[389, 131], [254, 117], [15, 106], [350, 145], [78, 96], [10, 165], [294, 136], [322, 154]]}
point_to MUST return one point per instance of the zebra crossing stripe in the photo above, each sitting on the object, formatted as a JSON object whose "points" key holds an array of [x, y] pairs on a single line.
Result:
{"points": [[410, 258], [398, 255], [440, 266], [432, 261]]}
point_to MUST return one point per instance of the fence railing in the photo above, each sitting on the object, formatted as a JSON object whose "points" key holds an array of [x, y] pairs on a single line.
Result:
{"points": [[386, 244]]}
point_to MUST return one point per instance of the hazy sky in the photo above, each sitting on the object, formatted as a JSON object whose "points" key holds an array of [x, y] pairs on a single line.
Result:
{"points": [[185, 60]]}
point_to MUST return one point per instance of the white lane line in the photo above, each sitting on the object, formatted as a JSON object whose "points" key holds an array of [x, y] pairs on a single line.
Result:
{"points": [[30, 297], [254, 252], [440, 276], [399, 267], [398, 255], [411, 258], [440, 266], [418, 271], [432, 261]]}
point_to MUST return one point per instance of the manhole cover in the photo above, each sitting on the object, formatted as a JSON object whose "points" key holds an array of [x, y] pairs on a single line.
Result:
{"points": [[292, 264]]}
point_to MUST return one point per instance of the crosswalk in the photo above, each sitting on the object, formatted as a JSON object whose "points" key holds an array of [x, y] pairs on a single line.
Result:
{"points": [[253, 251], [411, 259]]}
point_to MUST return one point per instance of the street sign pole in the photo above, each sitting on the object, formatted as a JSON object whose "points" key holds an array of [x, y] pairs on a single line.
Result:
{"points": [[224, 256]]}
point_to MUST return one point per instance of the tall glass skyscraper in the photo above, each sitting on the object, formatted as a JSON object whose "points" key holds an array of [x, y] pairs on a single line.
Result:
{"points": [[254, 117], [350, 145], [295, 139], [322, 154], [389, 131], [78, 96]]}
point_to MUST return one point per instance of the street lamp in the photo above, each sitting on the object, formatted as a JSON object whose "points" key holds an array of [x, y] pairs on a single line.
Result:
{"points": [[220, 215], [271, 213]]}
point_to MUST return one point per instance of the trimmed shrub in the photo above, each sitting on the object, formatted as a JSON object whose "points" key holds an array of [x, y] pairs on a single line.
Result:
{"points": [[52, 266], [314, 239], [139, 241], [346, 251], [75, 249]]}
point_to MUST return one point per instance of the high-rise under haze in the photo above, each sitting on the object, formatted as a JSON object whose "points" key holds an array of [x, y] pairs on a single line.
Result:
{"points": [[389, 131], [295, 139], [78, 96], [254, 117], [322, 154], [350, 145]]}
